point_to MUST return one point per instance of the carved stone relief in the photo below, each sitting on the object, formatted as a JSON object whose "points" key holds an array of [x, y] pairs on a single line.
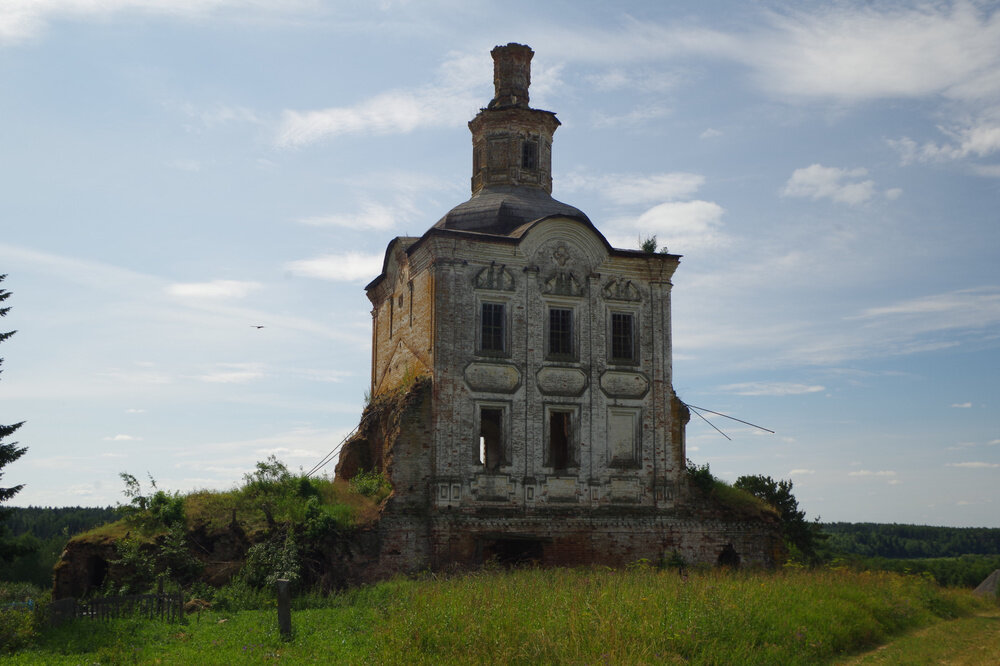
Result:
{"points": [[494, 277], [619, 289]]}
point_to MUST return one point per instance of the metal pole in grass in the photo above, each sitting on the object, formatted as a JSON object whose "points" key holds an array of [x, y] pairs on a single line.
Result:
{"points": [[284, 608]]}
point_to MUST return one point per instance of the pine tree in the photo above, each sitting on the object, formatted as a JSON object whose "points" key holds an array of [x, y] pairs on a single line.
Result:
{"points": [[9, 452]]}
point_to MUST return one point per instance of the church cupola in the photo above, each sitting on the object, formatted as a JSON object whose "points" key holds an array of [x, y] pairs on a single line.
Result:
{"points": [[511, 142]]}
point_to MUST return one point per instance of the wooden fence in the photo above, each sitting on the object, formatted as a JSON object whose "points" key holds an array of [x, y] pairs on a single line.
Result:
{"points": [[164, 606]]}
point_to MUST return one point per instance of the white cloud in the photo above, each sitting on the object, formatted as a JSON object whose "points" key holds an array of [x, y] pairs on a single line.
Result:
{"points": [[122, 438], [889, 51], [710, 133], [974, 309], [800, 472], [962, 405], [624, 189], [448, 103], [771, 388], [994, 442], [214, 289], [344, 267], [979, 137], [687, 224], [842, 185], [633, 80], [233, 373], [974, 465], [893, 193], [372, 216], [135, 411], [636, 116], [23, 19], [867, 472]]}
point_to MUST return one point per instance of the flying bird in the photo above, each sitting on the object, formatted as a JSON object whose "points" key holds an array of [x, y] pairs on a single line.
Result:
{"points": [[255, 326]]}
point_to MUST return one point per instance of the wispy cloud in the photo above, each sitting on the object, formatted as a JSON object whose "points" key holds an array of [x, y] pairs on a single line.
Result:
{"points": [[868, 472], [975, 309], [122, 438], [344, 267], [771, 388], [21, 20], [233, 373], [214, 289], [449, 101], [820, 182], [625, 188], [800, 472], [974, 465], [962, 405], [637, 116]]}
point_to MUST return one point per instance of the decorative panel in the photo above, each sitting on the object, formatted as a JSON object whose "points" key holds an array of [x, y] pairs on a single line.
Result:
{"points": [[492, 377], [618, 384], [561, 381]]}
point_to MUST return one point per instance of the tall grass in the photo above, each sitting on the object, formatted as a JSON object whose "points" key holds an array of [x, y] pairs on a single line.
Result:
{"points": [[531, 616]]}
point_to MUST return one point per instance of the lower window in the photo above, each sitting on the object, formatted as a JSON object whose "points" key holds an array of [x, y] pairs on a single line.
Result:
{"points": [[491, 440]]}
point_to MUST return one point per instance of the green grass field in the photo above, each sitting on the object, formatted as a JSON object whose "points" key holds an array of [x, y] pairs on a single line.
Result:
{"points": [[532, 616]]}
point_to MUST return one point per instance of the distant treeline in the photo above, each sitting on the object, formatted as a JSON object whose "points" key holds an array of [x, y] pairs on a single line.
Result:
{"points": [[47, 530], [910, 541]]}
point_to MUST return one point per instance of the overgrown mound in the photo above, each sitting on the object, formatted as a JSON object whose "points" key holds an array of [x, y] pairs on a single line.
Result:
{"points": [[276, 525]]}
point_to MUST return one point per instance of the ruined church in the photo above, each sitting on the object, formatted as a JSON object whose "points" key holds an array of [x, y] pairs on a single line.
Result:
{"points": [[521, 379]]}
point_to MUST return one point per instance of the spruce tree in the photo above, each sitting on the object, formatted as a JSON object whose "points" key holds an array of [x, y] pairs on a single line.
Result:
{"points": [[9, 452]]}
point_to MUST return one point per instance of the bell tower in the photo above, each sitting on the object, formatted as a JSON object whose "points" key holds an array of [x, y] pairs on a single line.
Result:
{"points": [[511, 142]]}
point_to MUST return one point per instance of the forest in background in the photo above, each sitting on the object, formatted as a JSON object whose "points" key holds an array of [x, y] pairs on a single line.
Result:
{"points": [[45, 530]]}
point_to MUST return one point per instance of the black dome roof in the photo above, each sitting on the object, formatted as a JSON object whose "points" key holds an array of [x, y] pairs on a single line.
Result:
{"points": [[500, 210]]}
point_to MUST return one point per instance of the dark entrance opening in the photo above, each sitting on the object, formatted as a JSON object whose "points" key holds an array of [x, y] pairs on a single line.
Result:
{"points": [[97, 569], [559, 439], [512, 552], [729, 557]]}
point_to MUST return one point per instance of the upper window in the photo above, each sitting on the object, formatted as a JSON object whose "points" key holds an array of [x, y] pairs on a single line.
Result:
{"points": [[529, 155], [492, 328], [560, 332], [623, 337]]}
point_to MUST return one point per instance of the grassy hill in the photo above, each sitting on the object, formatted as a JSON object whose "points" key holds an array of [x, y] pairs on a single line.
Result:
{"points": [[528, 616]]}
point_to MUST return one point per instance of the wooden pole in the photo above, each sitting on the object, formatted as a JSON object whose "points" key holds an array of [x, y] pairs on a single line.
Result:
{"points": [[284, 608]]}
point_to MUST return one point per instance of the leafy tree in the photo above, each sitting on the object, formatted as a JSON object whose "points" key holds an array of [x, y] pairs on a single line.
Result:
{"points": [[801, 536], [9, 452]]}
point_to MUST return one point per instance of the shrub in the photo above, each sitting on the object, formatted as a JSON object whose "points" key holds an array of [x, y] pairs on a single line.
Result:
{"points": [[371, 484]]}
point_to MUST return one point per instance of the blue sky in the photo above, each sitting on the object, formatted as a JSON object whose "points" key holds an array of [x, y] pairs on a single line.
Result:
{"points": [[175, 172]]}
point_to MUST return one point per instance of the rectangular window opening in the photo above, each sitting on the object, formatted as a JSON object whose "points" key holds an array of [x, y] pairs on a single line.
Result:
{"points": [[622, 336], [492, 333], [410, 309], [491, 437], [529, 155], [560, 438], [560, 332]]}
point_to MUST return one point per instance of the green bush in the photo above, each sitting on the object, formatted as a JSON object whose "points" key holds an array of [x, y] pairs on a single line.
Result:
{"points": [[371, 484]]}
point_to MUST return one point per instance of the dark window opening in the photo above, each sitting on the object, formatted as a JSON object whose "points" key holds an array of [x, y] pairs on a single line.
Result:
{"points": [[493, 318], [512, 552], [622, 337], [560, 332], [410, 309], [560, 438], [491, 438], [529, 155]]}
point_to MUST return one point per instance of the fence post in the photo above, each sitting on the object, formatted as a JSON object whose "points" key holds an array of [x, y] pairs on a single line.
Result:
{"points": [[284, 608]]}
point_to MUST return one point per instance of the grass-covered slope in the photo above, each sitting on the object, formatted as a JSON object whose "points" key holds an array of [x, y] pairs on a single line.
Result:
{"points": [[276, 522], [586, 616]]}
